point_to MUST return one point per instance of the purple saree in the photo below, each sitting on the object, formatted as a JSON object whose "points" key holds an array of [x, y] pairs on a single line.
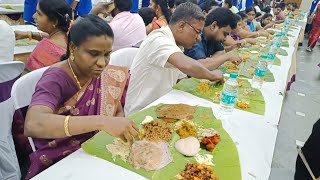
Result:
{"points": [[58, 91]]}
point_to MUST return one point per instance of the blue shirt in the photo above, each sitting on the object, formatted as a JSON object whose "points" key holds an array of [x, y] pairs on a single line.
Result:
{"points": [[30, 7], [203, 49], [83, 7]]}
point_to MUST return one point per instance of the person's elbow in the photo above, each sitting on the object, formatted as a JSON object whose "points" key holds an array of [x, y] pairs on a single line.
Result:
{"points": [[31, 126]]}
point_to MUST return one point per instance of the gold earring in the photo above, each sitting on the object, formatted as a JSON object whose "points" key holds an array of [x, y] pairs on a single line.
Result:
{"points": [[71, 57]]}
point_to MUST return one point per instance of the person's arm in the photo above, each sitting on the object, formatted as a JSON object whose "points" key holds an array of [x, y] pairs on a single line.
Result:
{"points": [[42, 123], [103, 8], [215, 61], [74, 4], [193, 68], [31, 35], [248, 34], [120, 112]]}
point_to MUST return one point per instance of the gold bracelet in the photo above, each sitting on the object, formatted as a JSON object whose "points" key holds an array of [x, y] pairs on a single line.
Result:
{"points": [[66, 126], [40, 35], [30, 35], [258, 33]]}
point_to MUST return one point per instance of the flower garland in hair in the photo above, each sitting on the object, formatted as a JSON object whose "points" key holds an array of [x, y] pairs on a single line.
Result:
{"points": [[71, 23], [67, 17]]}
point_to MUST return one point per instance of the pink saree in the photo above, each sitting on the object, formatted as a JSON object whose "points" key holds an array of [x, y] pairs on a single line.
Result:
{"points": [[101, 96], [45, 54]]}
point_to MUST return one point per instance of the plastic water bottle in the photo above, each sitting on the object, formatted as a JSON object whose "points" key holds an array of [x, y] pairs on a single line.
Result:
{"points": [[278, 40], [271, 56], [260, 73], [228, 96]]}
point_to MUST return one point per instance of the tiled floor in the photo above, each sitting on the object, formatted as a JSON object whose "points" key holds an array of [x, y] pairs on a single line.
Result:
{"points": [[293, 124]]}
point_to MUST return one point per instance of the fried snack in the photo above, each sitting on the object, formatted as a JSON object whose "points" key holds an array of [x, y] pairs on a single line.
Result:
{"points": [[203, 87], [197, 172], [240, 83], [243, 104], [186, 129], [209, 138], [157, 130], [245, 56], [175, 111]]}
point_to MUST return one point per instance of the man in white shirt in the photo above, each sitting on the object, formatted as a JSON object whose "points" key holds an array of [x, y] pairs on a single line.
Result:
{"points": [[160, 62]]}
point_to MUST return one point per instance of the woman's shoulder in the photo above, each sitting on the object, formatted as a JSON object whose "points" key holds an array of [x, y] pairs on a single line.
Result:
{"points": [[56, 75]]}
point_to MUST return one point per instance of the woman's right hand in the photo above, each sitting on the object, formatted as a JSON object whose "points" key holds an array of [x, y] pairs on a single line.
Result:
{"points": [[121, 127]]}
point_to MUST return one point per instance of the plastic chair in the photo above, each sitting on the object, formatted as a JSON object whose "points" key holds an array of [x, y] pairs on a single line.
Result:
{"points": [[123, 57], [23, 90], [9, 165]]}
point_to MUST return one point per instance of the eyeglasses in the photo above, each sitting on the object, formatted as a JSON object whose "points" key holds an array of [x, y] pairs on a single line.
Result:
{"points": [[195, 30]]}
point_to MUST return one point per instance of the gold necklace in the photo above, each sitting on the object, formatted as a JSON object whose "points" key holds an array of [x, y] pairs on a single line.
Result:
{"points": [[74, 75]]}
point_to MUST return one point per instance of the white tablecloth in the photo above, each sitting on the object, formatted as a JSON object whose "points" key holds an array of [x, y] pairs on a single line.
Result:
{"points": [[254, 135]]}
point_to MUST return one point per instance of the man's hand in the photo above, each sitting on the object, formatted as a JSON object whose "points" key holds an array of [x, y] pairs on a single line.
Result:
{"points": [[234, 58]]}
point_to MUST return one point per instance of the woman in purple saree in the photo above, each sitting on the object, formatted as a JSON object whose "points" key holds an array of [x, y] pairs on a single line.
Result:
{"points": [[78, 97]]}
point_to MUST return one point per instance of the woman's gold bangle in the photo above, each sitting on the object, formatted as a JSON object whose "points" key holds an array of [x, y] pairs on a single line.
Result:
{"points": [[30, 35], [258, 33], [66, 126], [245, 42]]}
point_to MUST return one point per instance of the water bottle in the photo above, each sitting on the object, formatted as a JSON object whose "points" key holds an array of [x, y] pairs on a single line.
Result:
{"points": [[228, 96], [277, 40], [260, 73], [271, 56]]}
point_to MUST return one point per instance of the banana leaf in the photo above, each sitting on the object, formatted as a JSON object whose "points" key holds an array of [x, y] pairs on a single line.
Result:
{"points": [[226, 158], [257, 103], [282, 52], [285, 44], [25, 42]]}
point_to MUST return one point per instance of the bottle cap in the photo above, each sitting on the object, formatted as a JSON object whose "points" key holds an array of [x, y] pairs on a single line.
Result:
{"points": [[264, 56], [233, 75]]}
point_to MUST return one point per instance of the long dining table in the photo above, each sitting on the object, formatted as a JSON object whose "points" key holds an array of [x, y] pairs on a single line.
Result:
{"points": [[254, 135]]}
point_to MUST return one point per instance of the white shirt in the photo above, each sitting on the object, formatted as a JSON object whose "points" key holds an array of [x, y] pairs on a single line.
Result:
{"points": [[151, 75], [7, 42], [257, 8]]}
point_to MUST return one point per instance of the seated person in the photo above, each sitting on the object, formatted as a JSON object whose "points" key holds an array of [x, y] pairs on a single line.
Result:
{"points": [[162, 11], [210, 51], [252, 23], [311, 151], [266, 21], [148, 15], [228, 4], [52, 17], [128, 28], [160, 62], [7, 42], [234, 41], [245, 32], [71, 101], [279, 14], [208, 6]]}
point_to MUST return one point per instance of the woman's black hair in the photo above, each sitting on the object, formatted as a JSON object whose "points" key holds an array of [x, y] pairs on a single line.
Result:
{"points": [[147, 15], [164, 8], [242, 15], [266, 15], [85, 27], [57, 11], [237, 18], [251, 8]]}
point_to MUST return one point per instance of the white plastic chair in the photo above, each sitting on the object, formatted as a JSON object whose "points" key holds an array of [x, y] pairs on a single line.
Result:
{"points": [[123, 57], [9, 165], [23, 90]]}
